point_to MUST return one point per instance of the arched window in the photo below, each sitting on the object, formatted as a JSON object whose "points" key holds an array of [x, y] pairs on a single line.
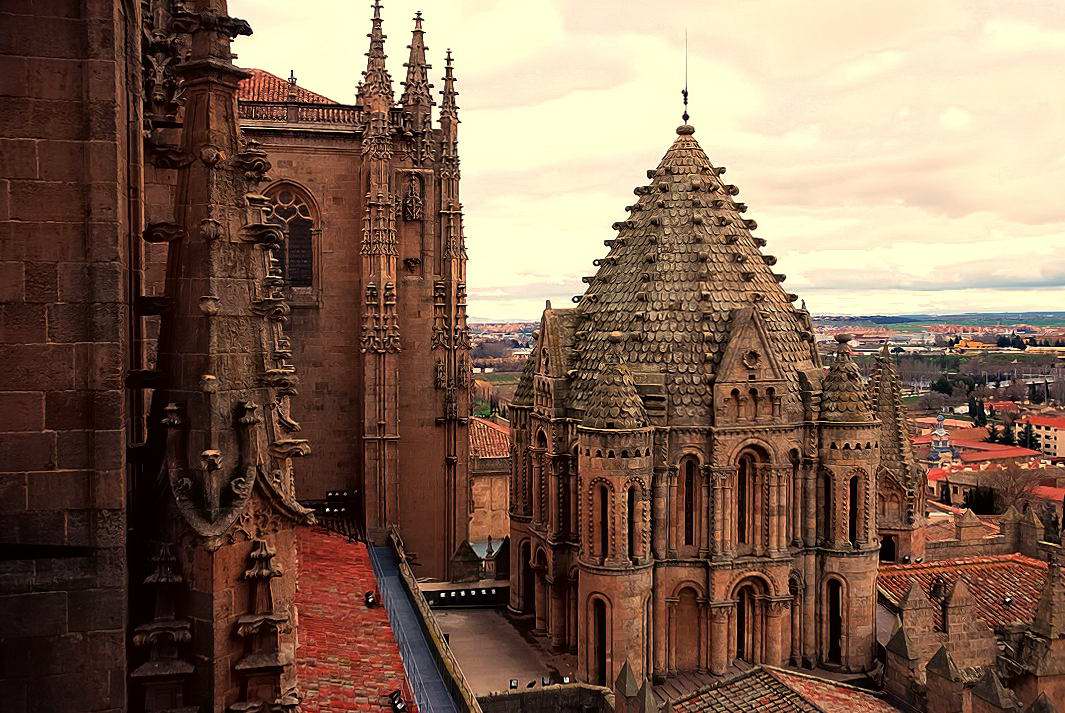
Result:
{"points": [[633, 533], [603, 531], [689, 501], [888, 549], [745, 496], [827, 511], [835, 621], [599, 642], [291, 209], [853, 510]]}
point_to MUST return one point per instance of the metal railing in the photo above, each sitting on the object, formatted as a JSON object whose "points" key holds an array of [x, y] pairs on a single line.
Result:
{"points": [[301, 113]]}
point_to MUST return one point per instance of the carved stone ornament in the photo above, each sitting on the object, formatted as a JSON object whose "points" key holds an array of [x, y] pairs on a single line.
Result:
{"points": [[413, 204]]}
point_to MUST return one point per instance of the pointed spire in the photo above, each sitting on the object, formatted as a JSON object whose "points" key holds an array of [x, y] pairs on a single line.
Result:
{"points": [[1041, 704], [645, 700], [844, 398], [614, 402], [417, 99], [375, 90], [943, 664], [1050, 611], [449, 109], [523, 394], [896, 451], [626, 684], [990, 689]]}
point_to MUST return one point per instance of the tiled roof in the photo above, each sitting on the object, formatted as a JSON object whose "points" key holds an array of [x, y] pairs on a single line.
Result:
{"points": [[262, 86], [844, 398], [523, 395], [1002, 452], [831, 696], [489, 439], [1052, 421], [682, 265], [990, 579], [896, 450], [774, 690], [944, 527], [1049, 492], [1002, 405], [614, 402], [347, 658]]}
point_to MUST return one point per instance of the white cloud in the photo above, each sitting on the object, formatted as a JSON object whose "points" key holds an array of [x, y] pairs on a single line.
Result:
{"points": [[955, 119], [850, 128]]}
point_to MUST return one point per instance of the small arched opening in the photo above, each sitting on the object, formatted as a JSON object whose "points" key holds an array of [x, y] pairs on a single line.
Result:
{"points": [[888, 549], [602, 510], [834, 648], [854, 509], [599, 643]]}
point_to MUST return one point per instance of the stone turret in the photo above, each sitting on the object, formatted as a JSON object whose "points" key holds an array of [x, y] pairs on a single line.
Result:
{"points": [[900, 480], [614, 462]]}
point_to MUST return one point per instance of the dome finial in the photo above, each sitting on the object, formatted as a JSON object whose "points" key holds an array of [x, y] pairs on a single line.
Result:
{"points": [[684, 92]]}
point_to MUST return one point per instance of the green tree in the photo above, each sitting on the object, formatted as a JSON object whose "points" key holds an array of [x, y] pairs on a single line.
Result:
{"points": [[992, 433], [942, 385], [1028, 437], [1008, 439]]}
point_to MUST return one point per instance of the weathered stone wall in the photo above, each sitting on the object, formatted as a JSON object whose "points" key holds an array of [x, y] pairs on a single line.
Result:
{"points": [[66, 165], [489, 505], [325, 328]]}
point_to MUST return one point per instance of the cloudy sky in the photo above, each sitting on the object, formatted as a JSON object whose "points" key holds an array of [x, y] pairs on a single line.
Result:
{"points": [[903, 156]]}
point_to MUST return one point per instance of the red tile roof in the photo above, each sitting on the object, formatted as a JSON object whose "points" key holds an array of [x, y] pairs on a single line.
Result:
{"points": [[831, 696], [999, 452], [1003, 406], [262, 86], [769, 689], [1052, 421], [990, 579], [1049, 492], [347, 658], [489, 439]]}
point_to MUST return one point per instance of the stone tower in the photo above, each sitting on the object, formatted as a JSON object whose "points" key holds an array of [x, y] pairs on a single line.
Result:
{"points": [[379, 318], [218, 494], [900, 479], [414, 337], [762, 470], [614, 482]]}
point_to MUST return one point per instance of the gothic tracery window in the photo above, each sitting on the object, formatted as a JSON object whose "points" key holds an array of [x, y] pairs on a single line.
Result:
{"points": [[292, 210]]}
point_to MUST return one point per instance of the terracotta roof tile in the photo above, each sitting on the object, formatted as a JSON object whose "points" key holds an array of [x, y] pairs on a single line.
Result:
{"points": [[262, 86], [1052, 421], [774, 690], [489, 439], [991, 579], [347, 658]]}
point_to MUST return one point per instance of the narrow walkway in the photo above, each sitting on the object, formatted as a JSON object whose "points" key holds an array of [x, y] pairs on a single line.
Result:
{"points": [[423, 672]]}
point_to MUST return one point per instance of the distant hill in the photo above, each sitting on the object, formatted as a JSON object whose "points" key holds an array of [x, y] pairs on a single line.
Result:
{"points": [[979, 319]]}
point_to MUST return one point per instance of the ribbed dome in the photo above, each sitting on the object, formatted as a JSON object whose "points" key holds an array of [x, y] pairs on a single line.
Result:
{"points": [[844, 398]]}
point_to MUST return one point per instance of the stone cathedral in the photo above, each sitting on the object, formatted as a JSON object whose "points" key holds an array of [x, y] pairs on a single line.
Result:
{"points": [[691, 487], [375, 263]]}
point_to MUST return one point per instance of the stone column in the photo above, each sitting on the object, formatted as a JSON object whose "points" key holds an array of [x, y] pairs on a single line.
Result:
{"points": [[553, 505], [572, 532], [796, 633], [674, 513], [704, 512], [809, 620], [718, 525], [719, 616], [557, 619], [659, 526], [796, 506], [537, 462], [660, 624], [728, 530], [541, 603], [774, 635], [704, 635], [809, 519], [671, 605]]}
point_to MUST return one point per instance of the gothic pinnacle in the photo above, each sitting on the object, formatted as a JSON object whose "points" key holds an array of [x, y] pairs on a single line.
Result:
{"points": [[417, 98], [448, 107], [375, 90]]}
